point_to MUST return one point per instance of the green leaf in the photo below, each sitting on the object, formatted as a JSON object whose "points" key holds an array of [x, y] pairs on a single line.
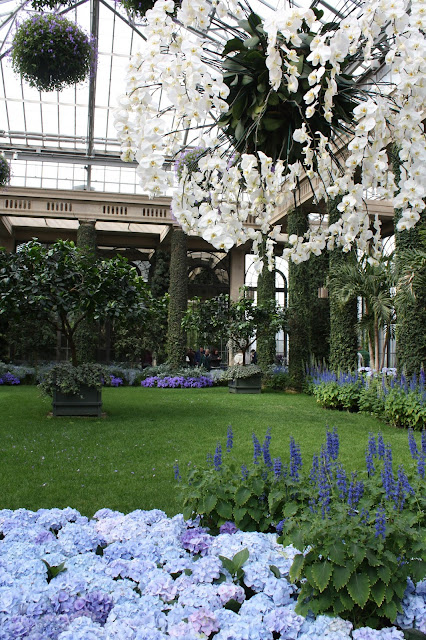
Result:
{"points": [[322, 573], [296, 567], [239, 515], [390, 610], [341, 576], [242, 495], [290, 509], [384, 574], [235, 44], [359, 588], [346, 600], [378, 592], [247, 80], [373, 560], [418, 570], [187, 513], [357, 552], [337, 553], [275, 571], [210, 502], [232, 605], [239, 131], [53, 571], [224, 509], [240, 558], [227, 564]]}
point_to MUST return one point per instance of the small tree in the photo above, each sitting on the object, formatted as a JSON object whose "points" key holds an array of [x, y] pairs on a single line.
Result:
{"points": [[65, 286], [240, 321], [372, 282]]}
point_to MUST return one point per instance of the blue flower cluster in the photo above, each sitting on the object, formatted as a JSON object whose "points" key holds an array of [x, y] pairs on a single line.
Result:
{"points": [[9, 378], [175, 382], [116, 381], [144, 576]]}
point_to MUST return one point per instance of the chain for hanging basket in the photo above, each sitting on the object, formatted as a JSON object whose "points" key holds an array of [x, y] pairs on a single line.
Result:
{"points": [[50, 52]]}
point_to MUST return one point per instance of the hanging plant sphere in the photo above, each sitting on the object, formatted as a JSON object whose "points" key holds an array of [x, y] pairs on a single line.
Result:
{"points": [[4, 171], [51, 52], [262, 119]]}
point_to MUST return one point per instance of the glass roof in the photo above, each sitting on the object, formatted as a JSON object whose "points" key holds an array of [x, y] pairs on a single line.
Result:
{"points": [[66, 140]]}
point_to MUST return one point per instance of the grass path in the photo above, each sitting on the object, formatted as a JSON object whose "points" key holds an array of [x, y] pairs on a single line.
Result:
{"points": [[125, 461]]}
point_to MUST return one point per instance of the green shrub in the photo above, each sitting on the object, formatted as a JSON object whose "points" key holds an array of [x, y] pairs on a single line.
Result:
{"points": [[371, 397], [359, 537], [275, 379], [405, 409], [68, 379]]}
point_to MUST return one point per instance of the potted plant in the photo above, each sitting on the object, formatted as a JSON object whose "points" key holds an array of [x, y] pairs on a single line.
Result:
{"points": [[75, 390], [243, 379], [64, 286], [50, 52], [4, 171], [238, 322]]}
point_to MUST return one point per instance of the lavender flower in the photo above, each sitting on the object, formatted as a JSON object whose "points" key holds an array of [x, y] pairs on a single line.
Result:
{"points": [[277, 467], [412, 445], [295, 459], [230, 439], [380, 523], [380, 446], [265, 449], [178, 477], [332, 444], [341, 481], [217, 460], [257, 449], [244, 472]]}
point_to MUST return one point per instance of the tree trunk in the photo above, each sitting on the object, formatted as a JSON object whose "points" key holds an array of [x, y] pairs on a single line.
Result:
{"points": [[87, 334]]}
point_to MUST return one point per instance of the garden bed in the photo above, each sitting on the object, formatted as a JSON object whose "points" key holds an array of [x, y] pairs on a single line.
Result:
{"points": [[144, 576]]}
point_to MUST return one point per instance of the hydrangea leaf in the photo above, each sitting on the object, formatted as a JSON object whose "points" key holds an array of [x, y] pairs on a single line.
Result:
{"points": [[359, 588], [240, 558]]}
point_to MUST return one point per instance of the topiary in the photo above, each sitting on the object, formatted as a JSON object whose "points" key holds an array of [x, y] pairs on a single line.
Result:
{"points": [[51, 52], [4, 171]]}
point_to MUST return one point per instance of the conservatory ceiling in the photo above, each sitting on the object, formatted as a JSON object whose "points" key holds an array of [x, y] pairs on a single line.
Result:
{"points": [[66, 140]]}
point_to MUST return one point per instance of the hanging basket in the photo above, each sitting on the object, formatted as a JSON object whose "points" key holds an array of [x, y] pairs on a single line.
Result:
{"points": [[50, 52], [4, 172], [140, 7]]}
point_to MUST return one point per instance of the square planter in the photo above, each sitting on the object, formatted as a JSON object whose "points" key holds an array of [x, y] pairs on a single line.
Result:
{"points": [[246, 385], [86, 403]]}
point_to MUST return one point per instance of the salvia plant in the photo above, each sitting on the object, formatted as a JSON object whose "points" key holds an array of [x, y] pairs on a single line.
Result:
{"points": [[50, 52], [360, 535], [398, 400]]}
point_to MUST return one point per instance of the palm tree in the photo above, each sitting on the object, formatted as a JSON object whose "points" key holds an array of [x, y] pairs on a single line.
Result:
{"points": [[373, 282]]}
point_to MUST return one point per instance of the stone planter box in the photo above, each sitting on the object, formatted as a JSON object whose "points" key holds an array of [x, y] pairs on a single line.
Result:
{"points": [[86, 403], [246, 385]]}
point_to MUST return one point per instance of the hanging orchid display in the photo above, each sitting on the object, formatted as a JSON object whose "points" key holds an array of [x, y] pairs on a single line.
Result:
{"points": [[279, 101]]}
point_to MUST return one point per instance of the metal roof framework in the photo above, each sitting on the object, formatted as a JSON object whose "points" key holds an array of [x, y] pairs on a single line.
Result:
{"points": [[66, 140]]}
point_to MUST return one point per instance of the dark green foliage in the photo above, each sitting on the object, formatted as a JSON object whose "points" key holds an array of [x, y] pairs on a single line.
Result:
{"points": [[51, 52], [65, 285], [343, 318], [146, 331], [410, 311], [319, 308], [31, 339], [159, 273], [265, 341], [262, 119], [68, 379], [4, 171], [140, 7], [299, 311], [240, 321], [178, 299], [87, 333]]}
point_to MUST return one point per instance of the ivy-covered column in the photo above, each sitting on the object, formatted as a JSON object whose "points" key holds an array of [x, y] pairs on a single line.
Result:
{"points": [[343, 318], [265, 342], [178, 300], [319, 308], [410, 310], [298, 305], [87, 333]]}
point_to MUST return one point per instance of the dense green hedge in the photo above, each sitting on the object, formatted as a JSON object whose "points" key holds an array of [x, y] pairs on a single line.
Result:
{"points": [[178, 302], [87, 332], [343, 319], [265, 343]]}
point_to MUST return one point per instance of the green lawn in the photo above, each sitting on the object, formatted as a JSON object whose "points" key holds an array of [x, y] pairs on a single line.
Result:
{"points": [[125, 461]]}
